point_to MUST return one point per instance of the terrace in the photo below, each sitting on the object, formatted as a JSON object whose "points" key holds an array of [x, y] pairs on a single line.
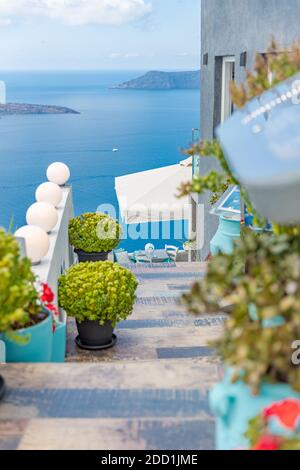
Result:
{"points": [[148, 392], [162, 384]]}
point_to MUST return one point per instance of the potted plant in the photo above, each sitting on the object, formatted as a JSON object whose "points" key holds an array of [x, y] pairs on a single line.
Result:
{"points": [[94, 236], [277, 428], [59, 342], [260, 282], [98, 295], [190, 245], [26, 324]]}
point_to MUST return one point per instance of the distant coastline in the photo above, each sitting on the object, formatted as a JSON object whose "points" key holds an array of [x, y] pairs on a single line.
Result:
{"points": [[147, 130], [156, 80], [13, 109]]}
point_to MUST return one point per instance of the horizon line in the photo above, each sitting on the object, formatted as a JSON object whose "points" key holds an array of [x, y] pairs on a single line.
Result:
{"points": [[152, 69]]}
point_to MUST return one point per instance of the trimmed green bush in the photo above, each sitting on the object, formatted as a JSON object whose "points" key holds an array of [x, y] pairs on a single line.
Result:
{"points": [[18, 296], [94, 233], [102, 291]]}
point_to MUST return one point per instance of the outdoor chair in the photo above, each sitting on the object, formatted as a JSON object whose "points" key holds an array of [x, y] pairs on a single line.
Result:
{"points": [[121, 257], [172, 251]]}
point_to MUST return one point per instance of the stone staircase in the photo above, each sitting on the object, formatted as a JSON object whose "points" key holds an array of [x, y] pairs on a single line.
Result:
{"points": [[149, 392]]}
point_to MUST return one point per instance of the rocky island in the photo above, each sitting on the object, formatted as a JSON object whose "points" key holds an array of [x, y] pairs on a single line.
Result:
{"points": [[19, 108], [164, 81]]}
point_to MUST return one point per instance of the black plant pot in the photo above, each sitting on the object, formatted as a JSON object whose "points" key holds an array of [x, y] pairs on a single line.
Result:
{"points": [[84, 257], [92, 336], [2, 387]]}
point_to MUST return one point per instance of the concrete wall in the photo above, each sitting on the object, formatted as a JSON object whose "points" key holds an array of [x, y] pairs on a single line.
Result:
{"points": [[230, 27], [60, 254]]}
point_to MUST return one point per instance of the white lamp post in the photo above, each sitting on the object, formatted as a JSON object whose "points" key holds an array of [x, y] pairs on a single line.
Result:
{"points": [[49, 192], [58, 173], [36, 241], [43, 215]]}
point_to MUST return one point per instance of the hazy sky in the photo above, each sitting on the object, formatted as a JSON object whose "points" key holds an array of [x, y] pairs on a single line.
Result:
{"points": [[99, 34]]}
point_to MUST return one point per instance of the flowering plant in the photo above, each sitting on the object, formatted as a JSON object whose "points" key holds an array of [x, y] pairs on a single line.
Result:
{"points": [[47, 298], [277, 427]]}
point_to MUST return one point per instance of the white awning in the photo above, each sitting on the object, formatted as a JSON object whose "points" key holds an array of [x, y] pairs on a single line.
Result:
{"points": [[150, 196]]}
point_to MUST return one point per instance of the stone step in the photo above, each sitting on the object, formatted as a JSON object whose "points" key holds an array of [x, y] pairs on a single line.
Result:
{"points": [[165, 285], [149, 343], [135, 405], [186, 269], [119, 375], [152, 405], [149, 392], [180, 267], [101, 403], [112, 434], [171, 320]]}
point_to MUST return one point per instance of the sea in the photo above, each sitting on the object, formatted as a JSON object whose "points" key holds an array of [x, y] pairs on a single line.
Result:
{"points": [[150, 129]]}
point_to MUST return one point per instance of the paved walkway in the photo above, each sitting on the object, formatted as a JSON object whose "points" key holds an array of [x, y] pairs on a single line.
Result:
{"points": [[149, 392]]}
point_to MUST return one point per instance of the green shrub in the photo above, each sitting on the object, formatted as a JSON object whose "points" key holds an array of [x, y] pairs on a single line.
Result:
{"points": [[260, 281], [18, 296], [103, 291], [94, 232]]}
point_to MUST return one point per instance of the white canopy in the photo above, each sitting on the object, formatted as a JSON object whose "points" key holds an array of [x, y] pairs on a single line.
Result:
{"points": [[150, 196]]}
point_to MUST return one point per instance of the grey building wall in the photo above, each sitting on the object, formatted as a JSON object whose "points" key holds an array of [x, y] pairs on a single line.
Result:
{"points": [[228, 28]]}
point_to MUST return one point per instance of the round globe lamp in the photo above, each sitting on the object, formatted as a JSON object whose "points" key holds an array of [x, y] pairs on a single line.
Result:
{"points": [[36, 241], [49, 192], [43, 215], [58, 173]]}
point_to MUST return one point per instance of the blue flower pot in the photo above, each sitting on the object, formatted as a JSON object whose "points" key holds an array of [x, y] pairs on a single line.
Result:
{"points": [[223, 242], [2, 352], [38, 348], [270, 323], [60, 341], [234, 405]]}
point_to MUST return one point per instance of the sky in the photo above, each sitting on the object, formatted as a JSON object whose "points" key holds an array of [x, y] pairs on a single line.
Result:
{"points": [[99, 34]]}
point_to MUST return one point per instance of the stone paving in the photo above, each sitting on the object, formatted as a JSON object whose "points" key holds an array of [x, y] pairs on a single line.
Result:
{"points": [[149, 392]]}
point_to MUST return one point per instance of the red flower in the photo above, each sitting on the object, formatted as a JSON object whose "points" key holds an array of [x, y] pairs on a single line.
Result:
{"points": [[268, 443], [287, 411], [47, 295], [52, 309]]}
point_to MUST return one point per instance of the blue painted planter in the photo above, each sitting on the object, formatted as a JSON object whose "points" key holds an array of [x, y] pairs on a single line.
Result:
{"points": [[271, 323], [234, 405], [60, 342], [2, 352], [229, 230], [37, 349]]}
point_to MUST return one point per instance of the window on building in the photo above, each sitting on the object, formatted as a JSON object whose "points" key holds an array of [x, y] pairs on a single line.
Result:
{"points": [[228, 75]]}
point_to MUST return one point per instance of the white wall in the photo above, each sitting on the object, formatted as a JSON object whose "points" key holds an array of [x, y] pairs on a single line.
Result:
{"points": [[60, 255]]}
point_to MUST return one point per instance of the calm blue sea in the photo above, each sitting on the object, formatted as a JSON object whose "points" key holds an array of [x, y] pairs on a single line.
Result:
{"points": [[148, 127]]}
